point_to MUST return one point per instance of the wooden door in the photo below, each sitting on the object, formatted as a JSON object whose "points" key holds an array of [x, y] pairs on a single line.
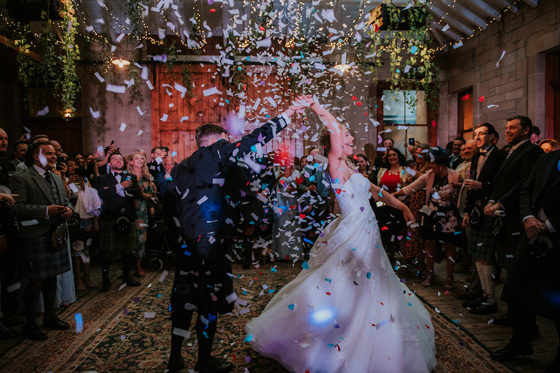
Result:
{"points": [[175, 118]]}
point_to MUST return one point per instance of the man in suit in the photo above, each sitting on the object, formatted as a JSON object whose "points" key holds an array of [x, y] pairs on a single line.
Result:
{"points": [[117, 190], [533, 282], [161, 178], [480, 185], [455, 157], [509, 179], [40, 207], [203, 208]]}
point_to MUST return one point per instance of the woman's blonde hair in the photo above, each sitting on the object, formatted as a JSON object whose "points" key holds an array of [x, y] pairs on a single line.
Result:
{"points": [[130, 166]]}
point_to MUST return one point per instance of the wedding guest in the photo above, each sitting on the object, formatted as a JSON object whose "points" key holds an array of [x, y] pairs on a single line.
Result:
{"points": [[363, 165], [139, 168], [549, 145], [18, 153]]}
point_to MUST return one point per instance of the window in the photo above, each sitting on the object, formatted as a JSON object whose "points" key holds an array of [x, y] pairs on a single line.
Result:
{"points": [[465, 113]]}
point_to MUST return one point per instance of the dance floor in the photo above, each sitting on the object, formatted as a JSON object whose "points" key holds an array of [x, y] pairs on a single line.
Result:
{"points": [[127, 330]]}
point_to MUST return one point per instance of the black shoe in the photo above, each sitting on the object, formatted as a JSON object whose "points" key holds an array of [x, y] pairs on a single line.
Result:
{"points": [[106, 283], [33, 332], [8, 322], [470, 296], [55, 323], [473, 303], [503, 320], [247, 265], [214, 365], [511, 351], [6, 333], [130, 282], [533, 332], [484, 309], [175, 365]]}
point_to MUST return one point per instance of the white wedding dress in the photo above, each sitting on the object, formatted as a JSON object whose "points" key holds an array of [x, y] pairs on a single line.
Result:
{"points": [[348, 311]]}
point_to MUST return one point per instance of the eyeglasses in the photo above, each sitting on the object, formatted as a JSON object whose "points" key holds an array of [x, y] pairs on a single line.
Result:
{"points": [[480, 134]]}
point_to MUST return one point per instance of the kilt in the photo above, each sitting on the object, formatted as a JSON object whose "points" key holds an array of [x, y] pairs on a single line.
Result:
{"points": [[201, 276], [482, 244], [113, 241], [40, 260]]}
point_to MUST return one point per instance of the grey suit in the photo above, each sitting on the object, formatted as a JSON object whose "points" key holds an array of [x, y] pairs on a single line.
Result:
{"points": [[34, 195]]}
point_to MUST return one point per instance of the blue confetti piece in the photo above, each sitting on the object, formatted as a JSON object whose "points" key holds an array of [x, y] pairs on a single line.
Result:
{"points": [[329, 280], [410, 304], [331, 345], [159, 296], [398, 71], [79, 323], [248, 338], [183, 246], [308, 240], [273, 270], [248, 58], [244, 292], [381, 193], [304, 265], [270, 291], [461, 343], [336, 326], [291, 306], [123, 337], [455, 321], [559, 165], [413, 49], [205, 334], [173, 154], [381, 324], [187, 253], [368, 276]]}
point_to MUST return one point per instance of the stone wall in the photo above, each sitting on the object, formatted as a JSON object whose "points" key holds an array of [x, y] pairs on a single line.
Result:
{"points": [[516, 84]]}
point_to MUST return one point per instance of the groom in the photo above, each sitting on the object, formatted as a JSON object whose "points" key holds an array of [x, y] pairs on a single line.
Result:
{"points": [[202, 203]]}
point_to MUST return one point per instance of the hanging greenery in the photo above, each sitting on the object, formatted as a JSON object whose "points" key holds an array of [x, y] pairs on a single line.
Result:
{"points": [[171, 56], [187, 81], [69, 84], [26, 64], [134, 13], [238, 75], [133, 75], [49, 70], [406, 43]]}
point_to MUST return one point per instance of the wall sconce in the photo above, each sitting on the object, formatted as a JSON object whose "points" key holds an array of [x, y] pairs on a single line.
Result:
{"points": [[121, 62], [68, 113]]}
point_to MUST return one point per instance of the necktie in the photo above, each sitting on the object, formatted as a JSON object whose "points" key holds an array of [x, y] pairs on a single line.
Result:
{"points": [[54, 190], [117, 176]]}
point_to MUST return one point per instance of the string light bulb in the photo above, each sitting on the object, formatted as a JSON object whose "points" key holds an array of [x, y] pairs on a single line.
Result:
{"points": [[121, 62]]}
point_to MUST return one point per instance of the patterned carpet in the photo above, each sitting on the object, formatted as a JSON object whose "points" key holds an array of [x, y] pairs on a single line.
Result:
{"points": [[128, 330]]}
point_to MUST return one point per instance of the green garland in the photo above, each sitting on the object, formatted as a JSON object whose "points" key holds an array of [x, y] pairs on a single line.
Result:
{"points": [[69, 84], [134, 13], [48, 71], [26, 64], [187, 81]]}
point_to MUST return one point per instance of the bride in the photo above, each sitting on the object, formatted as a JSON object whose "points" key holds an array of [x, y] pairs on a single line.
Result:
{"points": [[346, 311]]}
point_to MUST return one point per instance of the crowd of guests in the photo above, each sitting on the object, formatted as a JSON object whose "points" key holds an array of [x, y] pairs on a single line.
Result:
{"points": [[467, 201]]}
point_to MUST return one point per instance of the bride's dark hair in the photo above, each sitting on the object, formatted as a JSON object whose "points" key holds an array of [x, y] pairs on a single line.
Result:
{"points": [[325, 138]]}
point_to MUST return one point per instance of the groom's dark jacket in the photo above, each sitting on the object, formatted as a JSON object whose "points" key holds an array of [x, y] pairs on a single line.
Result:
{"points": [[205, 200]]}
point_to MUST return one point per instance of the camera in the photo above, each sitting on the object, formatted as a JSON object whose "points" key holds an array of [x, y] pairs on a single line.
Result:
{"points": [[411, 141]]}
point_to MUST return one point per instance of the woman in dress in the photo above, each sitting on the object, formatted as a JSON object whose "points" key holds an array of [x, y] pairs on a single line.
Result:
{"points": [[346, 311], [138, 167], [441, 221], [363, 165], [391, 177]]}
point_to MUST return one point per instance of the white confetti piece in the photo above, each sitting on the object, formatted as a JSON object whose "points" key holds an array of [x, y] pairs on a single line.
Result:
{"points": [[94, 114], [139, 133], [149, 315], [43, 111], [183, 119], [116, 88], [119, 38], [491, 106], [163, 276], [202, 200], [501, 57], [122, 127], [211, 91], [149, 84], [181, 332], [181, 89], [264, 43], [140, 111], [99, 77], [445, 28], [164, 118], [13, 287]]}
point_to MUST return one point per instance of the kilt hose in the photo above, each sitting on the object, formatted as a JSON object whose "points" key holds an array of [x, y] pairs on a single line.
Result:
{"points": [[40, 259], [114, 241]]}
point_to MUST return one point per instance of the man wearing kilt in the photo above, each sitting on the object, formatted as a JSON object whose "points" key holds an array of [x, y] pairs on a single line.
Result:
{"points": [[480, 185], [40, 207], [117, 190]]}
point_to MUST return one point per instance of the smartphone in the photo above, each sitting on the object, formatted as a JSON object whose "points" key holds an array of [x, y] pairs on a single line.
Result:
{"points": [[60, 161], [100, 149], [411, 141]]}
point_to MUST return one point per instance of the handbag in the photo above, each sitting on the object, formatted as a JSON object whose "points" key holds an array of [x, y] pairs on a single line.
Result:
{"points": [[122, 224], [476, 218]]}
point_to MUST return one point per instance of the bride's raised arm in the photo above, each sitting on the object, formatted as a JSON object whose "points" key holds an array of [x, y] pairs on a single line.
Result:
{"points": [[335, 155]]}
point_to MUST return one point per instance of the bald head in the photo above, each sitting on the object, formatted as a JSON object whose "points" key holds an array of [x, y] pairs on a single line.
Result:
{"points": [[469, 150], [57, 147], [3, 141]]}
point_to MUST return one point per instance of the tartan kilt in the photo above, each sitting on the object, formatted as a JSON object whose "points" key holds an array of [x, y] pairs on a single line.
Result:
{"points": [[113, 241], [482, 244], [40, 260]]}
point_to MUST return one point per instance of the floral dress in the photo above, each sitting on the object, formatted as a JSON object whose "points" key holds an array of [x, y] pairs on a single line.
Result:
{"points": [[415, 245], [142, 217]]}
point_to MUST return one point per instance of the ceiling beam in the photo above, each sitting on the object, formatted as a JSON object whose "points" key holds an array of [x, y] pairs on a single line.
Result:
{"points": [[507, 4], [451, 21], [438, 35], [463, 12], [532, 3], [487, 9], [447, 32]]}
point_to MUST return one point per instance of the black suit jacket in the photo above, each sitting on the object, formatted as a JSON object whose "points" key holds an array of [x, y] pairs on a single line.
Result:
{"points": [[203, 202], [542, 191], [515, 170], [486, 177], [112, 203]]}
